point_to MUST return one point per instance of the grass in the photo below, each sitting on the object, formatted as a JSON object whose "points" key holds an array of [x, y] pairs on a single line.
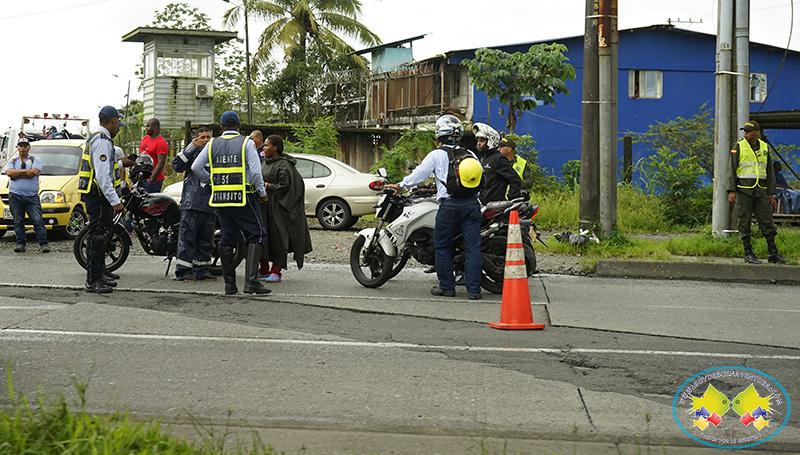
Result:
{"points": [[49, 426], [641, 214]]}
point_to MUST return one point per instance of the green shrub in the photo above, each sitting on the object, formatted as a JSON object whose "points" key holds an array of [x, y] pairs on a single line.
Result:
{"points": [[412, 147]]}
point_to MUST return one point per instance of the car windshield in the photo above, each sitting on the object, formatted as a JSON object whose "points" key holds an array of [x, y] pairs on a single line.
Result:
{"points": [[57, 160]]}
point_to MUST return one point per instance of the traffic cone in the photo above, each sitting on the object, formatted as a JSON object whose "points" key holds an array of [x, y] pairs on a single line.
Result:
{"points": [[515, 308]]}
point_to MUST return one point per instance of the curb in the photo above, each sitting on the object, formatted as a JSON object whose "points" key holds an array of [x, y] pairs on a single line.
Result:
{"points": [[745, 273]]}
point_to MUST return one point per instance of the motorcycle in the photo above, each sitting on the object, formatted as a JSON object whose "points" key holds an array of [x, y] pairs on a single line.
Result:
{"points": [[155, 219], [405, 230]]}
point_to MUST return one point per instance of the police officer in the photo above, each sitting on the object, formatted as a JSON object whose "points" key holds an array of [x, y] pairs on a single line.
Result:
{"points": [[196, 234], [97, 187], [751, 185], [508, 149], [237, 188]]}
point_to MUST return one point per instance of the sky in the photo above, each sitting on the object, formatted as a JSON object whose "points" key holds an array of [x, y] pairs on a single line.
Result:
{"points": [[67, 56]]}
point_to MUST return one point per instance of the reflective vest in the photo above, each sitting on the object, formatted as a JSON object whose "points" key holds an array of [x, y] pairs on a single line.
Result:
{"points": [[519, 166], [86, 174], [228, 172], [752, 166]]}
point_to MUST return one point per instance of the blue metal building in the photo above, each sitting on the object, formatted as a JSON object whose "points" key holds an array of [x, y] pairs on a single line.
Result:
{"points": [[664, 72]]}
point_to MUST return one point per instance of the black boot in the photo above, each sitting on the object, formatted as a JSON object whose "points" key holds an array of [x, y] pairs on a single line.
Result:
{"points": [[774, 256], [251, 283], [749, 256], [228, 269]]}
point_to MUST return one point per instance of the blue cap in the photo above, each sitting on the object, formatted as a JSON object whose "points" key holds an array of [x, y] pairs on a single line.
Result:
{"points": [[111, 111], [229, 118]]}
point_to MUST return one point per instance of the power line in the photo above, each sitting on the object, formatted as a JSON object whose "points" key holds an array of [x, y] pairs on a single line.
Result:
{"points": [[785, 52], [52, 10]]}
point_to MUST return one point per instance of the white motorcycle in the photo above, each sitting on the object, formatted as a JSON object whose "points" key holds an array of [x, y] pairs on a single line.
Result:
{"points": [[405, 229]]}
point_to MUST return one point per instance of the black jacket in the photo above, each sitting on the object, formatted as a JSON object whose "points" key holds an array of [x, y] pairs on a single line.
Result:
{"points": [[498, 174]]}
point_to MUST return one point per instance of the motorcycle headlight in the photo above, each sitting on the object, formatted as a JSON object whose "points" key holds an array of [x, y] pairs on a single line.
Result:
{"points": [[52, 197]]}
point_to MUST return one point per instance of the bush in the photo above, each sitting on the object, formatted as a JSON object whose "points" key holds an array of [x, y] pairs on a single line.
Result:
{"points": [[677, 182], [411, 148]]}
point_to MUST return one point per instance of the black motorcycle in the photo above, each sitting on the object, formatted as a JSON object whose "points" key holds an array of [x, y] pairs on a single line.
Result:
{"points": [[155, 219]]}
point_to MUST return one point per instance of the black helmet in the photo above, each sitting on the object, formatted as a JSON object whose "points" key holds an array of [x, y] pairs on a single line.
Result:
{"points": [[142, 169]]}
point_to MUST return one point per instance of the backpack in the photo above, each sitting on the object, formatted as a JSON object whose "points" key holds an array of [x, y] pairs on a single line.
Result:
{"points": [[454, 187]]}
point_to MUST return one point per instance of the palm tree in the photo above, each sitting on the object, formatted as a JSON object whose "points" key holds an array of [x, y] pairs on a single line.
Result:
{"points": [[296, 24]]}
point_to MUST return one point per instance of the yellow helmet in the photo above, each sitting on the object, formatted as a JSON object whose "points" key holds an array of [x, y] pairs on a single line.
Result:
{"points": [[470, 172]]}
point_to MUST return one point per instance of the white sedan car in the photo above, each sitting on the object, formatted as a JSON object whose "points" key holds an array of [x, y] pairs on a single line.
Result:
{"points": [[336, 193]]}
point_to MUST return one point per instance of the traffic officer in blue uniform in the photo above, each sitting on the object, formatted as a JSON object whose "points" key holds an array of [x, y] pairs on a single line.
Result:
{"points": [[237, 189], [97, 187], [196, 234]]}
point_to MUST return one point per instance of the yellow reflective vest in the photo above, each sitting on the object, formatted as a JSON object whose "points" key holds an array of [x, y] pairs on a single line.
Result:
{"points": [[86, 173], [752, 170], [226, 158]]}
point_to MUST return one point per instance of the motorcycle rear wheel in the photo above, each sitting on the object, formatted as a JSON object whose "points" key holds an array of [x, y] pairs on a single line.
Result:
{"points": [[116, 254], [493, 253], [238, 253], [372, 271]]}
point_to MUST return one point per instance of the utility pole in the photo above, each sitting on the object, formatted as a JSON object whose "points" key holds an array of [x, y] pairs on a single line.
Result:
{"points": [[589, 211], [720, 221], [607, 118], [741, 54]]}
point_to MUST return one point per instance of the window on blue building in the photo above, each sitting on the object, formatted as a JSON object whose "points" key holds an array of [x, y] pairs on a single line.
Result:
{"points": [[758, 87], [644, 84]]}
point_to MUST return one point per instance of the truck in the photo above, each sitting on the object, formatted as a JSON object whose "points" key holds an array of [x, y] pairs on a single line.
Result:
{"points": [[46, 126]]}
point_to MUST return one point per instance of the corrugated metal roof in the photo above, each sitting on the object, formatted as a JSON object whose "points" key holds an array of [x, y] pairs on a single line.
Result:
{"points": [[665, 27], [143, 34], [778, 120], [384, 46]]}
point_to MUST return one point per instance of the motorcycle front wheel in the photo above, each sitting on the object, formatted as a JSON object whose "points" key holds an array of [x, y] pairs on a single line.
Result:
{"points": [[371, 270], [119, 247]]}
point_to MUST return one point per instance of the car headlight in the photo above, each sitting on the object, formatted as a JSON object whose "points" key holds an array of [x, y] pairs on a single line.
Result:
{"points": [[52, 197]]}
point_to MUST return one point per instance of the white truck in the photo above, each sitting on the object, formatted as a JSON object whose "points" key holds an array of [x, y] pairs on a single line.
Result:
{"points": [[47, 126]]}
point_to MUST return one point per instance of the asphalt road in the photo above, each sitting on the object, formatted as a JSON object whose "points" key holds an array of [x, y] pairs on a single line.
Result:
{"points": [[323, 359]]}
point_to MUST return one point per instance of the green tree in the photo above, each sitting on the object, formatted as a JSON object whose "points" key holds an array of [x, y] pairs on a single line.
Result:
{"points": [[319, 138], [688, 137], [183, 16], [297, 23], [522, 81]]}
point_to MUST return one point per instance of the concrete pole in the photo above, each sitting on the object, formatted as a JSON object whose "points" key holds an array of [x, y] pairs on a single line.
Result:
{"points": [[589, 211], [742, 59], [608, 135], [722, 110]]}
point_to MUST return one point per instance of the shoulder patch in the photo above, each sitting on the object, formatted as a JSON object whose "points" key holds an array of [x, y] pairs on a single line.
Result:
{"points": [[733, 151], [103, 157]]}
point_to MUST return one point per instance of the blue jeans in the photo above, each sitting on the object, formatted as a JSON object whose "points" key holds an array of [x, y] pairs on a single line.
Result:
{"points": [[19, 206], [456, 215], [152, 187], [791, 199]]}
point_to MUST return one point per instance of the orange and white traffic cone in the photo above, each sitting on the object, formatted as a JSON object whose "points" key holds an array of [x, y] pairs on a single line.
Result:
{"points": [[515, 308]]}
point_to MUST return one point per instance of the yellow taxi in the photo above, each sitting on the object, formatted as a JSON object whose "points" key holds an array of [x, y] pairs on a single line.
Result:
{"points": [[62, 208]]}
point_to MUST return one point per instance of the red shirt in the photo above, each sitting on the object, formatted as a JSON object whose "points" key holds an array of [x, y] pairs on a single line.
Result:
{"points": [[153, 148]]}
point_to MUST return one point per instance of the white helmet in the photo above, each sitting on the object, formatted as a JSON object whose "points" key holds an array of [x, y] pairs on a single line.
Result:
{"points": [[449, 128], [490, 134]]}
